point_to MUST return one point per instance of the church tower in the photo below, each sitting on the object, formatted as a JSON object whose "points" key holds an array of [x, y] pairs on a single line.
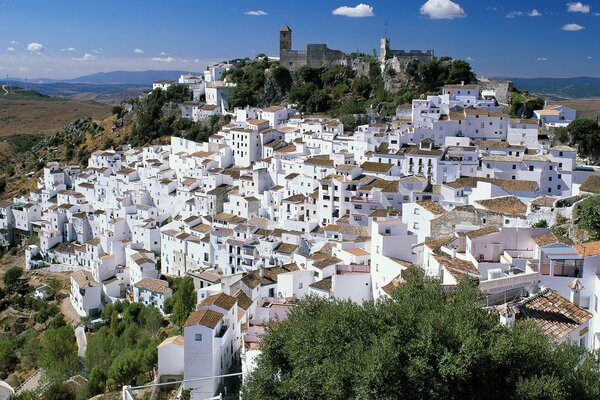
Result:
{"points": [[285, 40]]}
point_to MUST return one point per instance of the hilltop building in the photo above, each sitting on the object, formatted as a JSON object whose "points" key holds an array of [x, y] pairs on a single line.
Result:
{"points": [[315, 55], [403, 57]]}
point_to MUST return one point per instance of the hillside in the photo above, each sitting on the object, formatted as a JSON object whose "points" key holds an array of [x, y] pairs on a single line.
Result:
{"points": [[560, 88], [34, 113], [105, 93]]}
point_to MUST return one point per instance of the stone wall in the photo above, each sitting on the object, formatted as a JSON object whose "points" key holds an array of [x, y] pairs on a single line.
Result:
{"points": [[503, 90]]}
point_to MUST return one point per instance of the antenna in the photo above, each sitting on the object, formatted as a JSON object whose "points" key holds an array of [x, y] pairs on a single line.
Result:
{"points": [[385, 30]]}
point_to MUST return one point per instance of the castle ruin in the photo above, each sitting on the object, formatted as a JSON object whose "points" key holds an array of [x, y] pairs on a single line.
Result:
{"points": [[403, 57], [315, 55]]}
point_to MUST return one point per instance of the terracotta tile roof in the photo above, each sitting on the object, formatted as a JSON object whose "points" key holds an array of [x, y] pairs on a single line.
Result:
{"points": [[370, 166], [459, 269], [154, 285], [269, 275], [178, 340], [550, 238], [507, 205], [326, 262], [393, 284], [221, 300], [206, 317], [319, 160], [84, 279], [591, 184], [487, 230], [555, 315], [506, 184], [286, 248], [544, 201], [324, 284], [244, 302], [432, 207], [435, 244], [588, 249]]}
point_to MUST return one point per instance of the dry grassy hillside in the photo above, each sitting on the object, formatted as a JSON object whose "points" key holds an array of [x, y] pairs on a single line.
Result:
{"points": [[586, 108], [44, 115]]}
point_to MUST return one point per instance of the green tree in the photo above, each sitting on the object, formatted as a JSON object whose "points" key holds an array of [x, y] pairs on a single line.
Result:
{"points": [[561, 135], [14, 281], [125, 367], [185, 301], [588, 216], [425, 342], [59, 353], [540, 224], [585, 133], [460, 71], [58, 391]]}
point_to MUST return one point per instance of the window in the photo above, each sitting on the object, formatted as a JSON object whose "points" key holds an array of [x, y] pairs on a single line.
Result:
{"points": [[416, 225], [198, 337], [514, 166], [531, 167], [560, 153], [416, 212], [300, 285]]}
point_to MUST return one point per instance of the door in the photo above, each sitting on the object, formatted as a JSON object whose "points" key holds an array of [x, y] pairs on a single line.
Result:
{"points": [[496, 252]]}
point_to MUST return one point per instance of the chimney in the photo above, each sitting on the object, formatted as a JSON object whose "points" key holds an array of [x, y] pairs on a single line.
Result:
{"points": [[462, 83], [261, 272], [576, 287], [507, 316]]}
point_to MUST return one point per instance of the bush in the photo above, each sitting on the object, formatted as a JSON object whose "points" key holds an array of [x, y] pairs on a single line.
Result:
{"points": [[540, 224]]}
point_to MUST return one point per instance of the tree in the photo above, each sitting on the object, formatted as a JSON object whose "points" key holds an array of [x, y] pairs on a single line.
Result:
{"points": [[588, 216], [540, 224], [460, 71], [117, 110], [585, 133], [425, 342], [125, 368], [59, 353], [185, 301], [14, 282], [561, 135], [58, 391]]}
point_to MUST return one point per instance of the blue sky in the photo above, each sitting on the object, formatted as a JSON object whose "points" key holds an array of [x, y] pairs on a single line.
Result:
{"points": [[69, 38]]}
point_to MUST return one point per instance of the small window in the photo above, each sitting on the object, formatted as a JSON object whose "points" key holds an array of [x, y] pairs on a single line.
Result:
{"points": [[198, 337]]}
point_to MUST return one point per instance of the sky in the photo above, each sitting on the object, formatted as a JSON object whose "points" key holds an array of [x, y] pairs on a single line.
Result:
{"points": [[69, 38]]}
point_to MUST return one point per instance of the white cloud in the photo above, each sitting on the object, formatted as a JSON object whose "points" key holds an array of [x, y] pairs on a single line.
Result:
{"points": [[138, 51], [542, 59], [256, 13], [532, 13], [469, 59], [35, 47], [69, 49], [572, 27], [98, 50], [163, 53], [578, 7], [13, 42], [10, 49], [589, 57], [442, 9], [86, 57], [196, 60], [359, 11], [24, 69], [163, 59]]}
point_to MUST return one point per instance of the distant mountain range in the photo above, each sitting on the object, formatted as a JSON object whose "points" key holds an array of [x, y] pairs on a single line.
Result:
{"points": [[559, 88], [119, 77], [106, 87]]}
